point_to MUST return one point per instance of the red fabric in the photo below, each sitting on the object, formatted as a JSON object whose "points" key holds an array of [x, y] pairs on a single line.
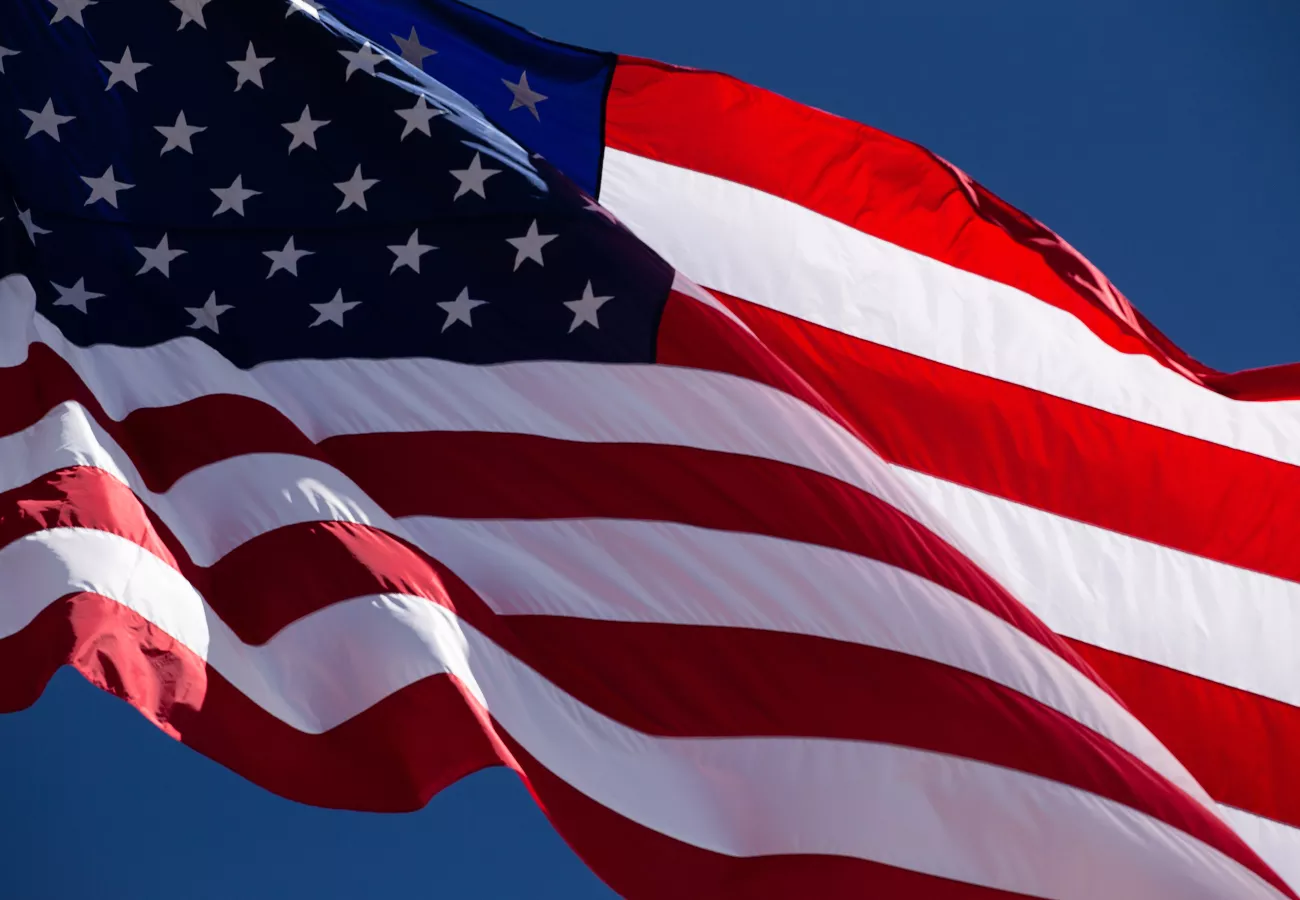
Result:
{"points": [[491, 475], [1239, 745], [1030, 447], [671, 680], [890, 188], [667, 680], [637, 862]]}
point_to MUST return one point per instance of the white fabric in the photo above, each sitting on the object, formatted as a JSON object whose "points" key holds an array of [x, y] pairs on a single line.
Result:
{"points": [[1216, 621], [928, 812], [626, 404], [769, 251], [1195, 615], [217, 507], [1277, 844], [633, 571], [896, 805]]}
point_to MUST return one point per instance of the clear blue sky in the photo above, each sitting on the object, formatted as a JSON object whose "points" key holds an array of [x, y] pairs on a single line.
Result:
{"points": [[1164, 143]]}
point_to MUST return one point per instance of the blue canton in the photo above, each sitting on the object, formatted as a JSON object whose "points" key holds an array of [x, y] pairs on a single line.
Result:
{"points": [[286, 180]]}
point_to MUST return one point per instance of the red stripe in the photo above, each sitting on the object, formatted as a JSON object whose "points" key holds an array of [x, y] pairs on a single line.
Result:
{"points": [[681, 681], [1132, 478], [391, 758], [264, 584], [535, 478], [204, 436], [669, 680], [887, 187], [1011, 442], [1015, 442], [638, 862], [167, 442], [163, 443], [1242, 747], [1126, 476], [396, 755]]}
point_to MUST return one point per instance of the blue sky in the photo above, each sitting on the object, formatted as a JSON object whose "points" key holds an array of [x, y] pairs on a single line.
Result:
{"points": [[1162, 142]]}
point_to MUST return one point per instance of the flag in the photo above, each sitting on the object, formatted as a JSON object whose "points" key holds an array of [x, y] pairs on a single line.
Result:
{"points": [[386, 393]]}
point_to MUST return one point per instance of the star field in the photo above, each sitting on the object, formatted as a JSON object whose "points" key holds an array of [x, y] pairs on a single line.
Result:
{"points": [[150, 191]]}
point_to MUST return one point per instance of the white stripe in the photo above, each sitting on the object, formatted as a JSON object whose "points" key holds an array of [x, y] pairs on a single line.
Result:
{"points": [[626, 404], [104, 366], [683, 285], [1196, 615], [1216, 621], [770, 251], [39, 568], [215, 508], [946, 816], [315, 673], [211, 510], [17, 325], [1277, 844], [635, 571]]}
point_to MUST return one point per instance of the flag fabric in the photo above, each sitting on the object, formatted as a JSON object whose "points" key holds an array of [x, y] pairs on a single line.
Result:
{"points": [[1139, 502], [387, 393]]}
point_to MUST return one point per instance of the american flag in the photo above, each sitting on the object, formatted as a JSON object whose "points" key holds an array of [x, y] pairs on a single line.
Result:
{"points": [[387, 393]]}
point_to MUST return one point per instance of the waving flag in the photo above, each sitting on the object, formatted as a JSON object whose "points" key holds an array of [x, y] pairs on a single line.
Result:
{"points": [[386, 393]]}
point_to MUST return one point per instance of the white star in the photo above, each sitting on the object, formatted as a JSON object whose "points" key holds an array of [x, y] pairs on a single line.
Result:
{"points": [[417, 117], [354, 190], [286, 259], [530, 245], [332, 311], [159, 257], [250, 67], [75, 296], [47, 120], [70, 9], [363, 60], [105, 188], [5, 51], [304, 130], [585, 310], [25, 216], [409, 254], [191, 11], [233, 197], [593, 206], [205, 316], [524, 96], [458, 310], [124, 71], [473, 178], [412, 50], [306, 7], [179, 135]]}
